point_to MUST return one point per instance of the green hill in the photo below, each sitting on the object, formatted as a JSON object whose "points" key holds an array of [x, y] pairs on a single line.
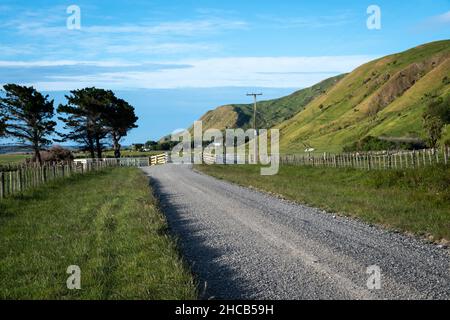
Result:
{"points": [[270, 112], [383, 98]]}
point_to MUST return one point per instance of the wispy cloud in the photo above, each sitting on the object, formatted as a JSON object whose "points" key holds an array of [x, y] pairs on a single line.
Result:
{"points": [[161, 48], [442, 18], [185, 28], [317, 21], [67, 70], [436, 22], [275, 72], [43, 32], [62, 63], [176, 28]]}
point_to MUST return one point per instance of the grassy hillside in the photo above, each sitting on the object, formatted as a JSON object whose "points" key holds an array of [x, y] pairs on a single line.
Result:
{"points": [[385, 97], [270, 112]]}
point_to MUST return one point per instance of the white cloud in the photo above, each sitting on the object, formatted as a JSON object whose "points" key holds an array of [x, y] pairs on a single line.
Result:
{"points": [[172, 28], [52, 46], [48, 37], [435, 22], [443, 18], [54, 63], [276, 72], [319, 21], [161, 48]]}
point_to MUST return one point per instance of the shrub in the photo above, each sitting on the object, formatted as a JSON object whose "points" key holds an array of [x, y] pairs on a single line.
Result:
{"points": [[435, 117], [371, 143], [56, 154]]}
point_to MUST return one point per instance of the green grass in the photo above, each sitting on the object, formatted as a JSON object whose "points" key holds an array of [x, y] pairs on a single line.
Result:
{"points": [[12, 158], [106, 223], [416, 201]]}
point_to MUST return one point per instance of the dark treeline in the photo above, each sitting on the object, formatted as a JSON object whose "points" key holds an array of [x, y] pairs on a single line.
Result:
{"points": [[92, 118]]}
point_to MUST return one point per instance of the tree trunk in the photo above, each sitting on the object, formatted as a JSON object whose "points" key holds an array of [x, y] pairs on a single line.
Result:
{"points": [[92, 152], [117, 152], [116, 146], [98, 146], [37, 154], [91, 147]]}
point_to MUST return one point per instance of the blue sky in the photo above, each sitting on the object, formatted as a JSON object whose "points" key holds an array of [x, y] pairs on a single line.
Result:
{"points": [[174, 60]]}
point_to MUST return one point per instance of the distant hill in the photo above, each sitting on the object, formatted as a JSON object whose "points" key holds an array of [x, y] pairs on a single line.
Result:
{"points": [[20, 148], [14, 148], [383, 98], [270, 112]]}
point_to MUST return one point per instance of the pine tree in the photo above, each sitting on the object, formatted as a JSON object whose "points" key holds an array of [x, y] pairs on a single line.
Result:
{"points": [[28, 116]]}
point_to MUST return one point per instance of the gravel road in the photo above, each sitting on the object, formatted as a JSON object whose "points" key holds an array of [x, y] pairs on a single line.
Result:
{"points": [[244, 244]]}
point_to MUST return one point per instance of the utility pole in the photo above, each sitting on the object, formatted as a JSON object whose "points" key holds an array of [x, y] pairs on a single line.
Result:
{"points": [[254, 95]]}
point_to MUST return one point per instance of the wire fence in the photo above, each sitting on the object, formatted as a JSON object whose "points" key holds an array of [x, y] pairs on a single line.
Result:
{"points": [[16, 178], [360, 160], [373, 160]]}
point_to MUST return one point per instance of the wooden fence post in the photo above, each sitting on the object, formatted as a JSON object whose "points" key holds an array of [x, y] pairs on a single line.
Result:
{"points": [[11, 184], [445, 154], [2, 185], [20, 179]]}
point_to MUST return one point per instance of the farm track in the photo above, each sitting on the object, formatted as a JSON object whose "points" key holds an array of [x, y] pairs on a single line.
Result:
{"points": [[244, 244]]}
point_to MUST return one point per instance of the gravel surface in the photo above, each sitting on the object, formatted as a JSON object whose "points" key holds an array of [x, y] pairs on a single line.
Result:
{"points": [[245, 244]]}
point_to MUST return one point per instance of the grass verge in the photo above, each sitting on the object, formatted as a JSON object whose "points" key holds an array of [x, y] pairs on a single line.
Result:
{"points": [[108, 224], [416, 201]]}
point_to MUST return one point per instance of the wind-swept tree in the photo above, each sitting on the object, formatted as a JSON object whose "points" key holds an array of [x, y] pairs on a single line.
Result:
{"points": [[76, 126], [119, 119], [28, 116], [84, 123]]}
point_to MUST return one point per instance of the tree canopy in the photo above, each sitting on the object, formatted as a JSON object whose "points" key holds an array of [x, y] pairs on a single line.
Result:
{"points": [[118, 120], [27, 116], [83, 121], [93, 115]]}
